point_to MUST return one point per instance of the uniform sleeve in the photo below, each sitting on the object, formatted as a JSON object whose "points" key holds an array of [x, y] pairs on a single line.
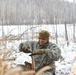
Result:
{"points": [[53, 52], [28, 43]]}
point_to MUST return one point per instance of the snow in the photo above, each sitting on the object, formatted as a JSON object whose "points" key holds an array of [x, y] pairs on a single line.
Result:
{"points": [[22, 57], [65, 66]]}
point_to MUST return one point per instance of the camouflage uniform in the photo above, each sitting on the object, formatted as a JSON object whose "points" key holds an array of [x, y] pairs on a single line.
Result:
{"points": [[52, 54]]}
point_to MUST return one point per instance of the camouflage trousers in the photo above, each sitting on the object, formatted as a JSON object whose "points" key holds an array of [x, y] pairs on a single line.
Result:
{"points": [[47, 73]]}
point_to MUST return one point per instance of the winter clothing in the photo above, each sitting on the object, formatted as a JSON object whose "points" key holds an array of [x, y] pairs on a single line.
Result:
{"points": [[44, 34], [45, 54], [49, 54], [47, 73], [39, 52], [23, 47]]}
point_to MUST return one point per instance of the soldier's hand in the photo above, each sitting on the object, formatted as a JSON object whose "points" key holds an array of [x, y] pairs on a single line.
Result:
{"points": [[24, 48], [39, 52]]}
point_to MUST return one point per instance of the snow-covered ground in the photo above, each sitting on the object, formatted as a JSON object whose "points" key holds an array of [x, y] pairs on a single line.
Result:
{"points": [[63, 67], [66, 64]]}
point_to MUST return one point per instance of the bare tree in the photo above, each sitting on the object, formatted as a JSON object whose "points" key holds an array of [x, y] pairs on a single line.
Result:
{"points": [[66, 35]]}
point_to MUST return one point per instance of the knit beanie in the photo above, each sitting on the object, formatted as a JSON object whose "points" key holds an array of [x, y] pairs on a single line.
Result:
{"points": [[44, 35]]}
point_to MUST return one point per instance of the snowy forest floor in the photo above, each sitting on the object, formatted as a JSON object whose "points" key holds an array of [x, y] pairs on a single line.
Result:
{"points": [[65, 66]]}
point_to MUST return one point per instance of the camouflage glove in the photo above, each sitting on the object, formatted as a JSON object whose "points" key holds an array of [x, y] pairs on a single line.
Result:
{"points": [[24, 48], [39, 52]]}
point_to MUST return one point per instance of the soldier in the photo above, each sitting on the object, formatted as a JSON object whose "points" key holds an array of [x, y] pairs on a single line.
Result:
{"points": [[46, 53]]}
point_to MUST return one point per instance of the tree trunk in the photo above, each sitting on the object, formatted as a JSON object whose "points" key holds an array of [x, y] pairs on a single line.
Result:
{"points": [[66, 35]]}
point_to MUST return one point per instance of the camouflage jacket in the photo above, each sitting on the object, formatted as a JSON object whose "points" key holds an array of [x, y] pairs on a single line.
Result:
{"points": [[52, 54]]}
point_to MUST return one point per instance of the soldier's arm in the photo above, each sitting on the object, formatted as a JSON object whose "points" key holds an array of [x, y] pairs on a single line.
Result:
{"points": [[53, 52], [26, 46]]}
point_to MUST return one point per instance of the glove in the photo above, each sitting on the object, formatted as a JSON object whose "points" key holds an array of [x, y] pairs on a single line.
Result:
{"points": [[39, 52], [24, 48]]}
